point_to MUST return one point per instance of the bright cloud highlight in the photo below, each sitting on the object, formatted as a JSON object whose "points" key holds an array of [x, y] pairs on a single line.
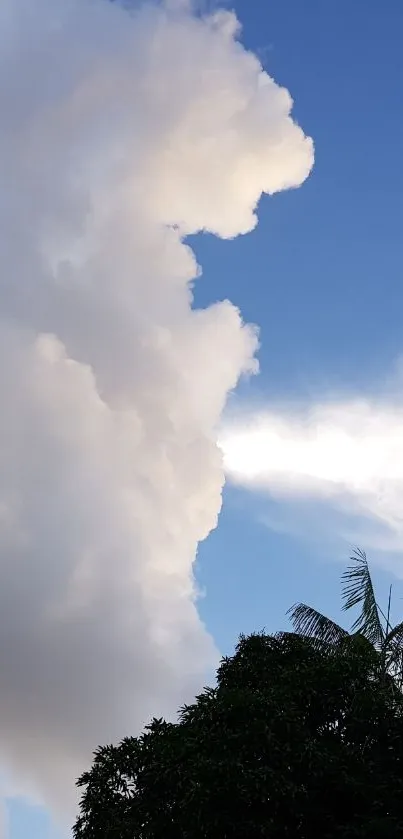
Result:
{"points": [[350, 450]]}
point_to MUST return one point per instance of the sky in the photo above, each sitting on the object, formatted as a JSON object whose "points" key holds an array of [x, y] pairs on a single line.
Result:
{"points": [[201, 401]]}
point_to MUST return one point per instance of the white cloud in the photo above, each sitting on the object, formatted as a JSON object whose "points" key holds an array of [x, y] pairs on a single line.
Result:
{"points": [[349, 454], [120, 133]]}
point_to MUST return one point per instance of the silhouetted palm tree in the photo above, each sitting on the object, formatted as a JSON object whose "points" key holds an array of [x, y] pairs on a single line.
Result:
{"points": [[371, 623]]}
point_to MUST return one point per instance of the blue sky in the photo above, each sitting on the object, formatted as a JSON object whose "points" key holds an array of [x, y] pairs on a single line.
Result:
{"points": [[321, 276], [28, 820]]}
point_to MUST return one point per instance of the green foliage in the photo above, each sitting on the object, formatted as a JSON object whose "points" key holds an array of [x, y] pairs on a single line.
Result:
{"points": [[295, 741]]}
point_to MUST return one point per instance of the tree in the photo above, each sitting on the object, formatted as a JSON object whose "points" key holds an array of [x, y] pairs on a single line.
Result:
{"points": [[372, 623], [293, 741]]}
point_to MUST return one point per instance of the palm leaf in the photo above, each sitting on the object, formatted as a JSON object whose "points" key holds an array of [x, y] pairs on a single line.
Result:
{"points": [[394, 651], [358, 589], [395, 635], [312, 624], [395, 665]]}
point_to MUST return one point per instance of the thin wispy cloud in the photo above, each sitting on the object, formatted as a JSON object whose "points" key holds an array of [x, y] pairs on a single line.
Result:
{"points": [[121, 132]]}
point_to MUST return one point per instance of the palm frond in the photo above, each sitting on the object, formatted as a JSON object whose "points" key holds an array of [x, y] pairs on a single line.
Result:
{"points": [[312, 624], [388, 626], [394, 663], [393, 654], [395, 635], [358, 589]]}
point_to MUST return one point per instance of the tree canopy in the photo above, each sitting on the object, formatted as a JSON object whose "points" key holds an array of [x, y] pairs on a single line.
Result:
{"points": [[295, 740]]}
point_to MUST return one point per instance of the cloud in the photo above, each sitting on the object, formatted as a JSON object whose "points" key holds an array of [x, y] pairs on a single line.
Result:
{"points": [[348, 455], [121, 132]]}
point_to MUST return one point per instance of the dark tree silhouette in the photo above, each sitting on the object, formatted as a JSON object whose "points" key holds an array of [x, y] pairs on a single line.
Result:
{"points": [[295, 740]]}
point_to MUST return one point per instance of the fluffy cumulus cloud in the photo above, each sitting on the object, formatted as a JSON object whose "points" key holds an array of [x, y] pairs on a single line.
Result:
{"points": [[122, 131], [348, 455]]}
